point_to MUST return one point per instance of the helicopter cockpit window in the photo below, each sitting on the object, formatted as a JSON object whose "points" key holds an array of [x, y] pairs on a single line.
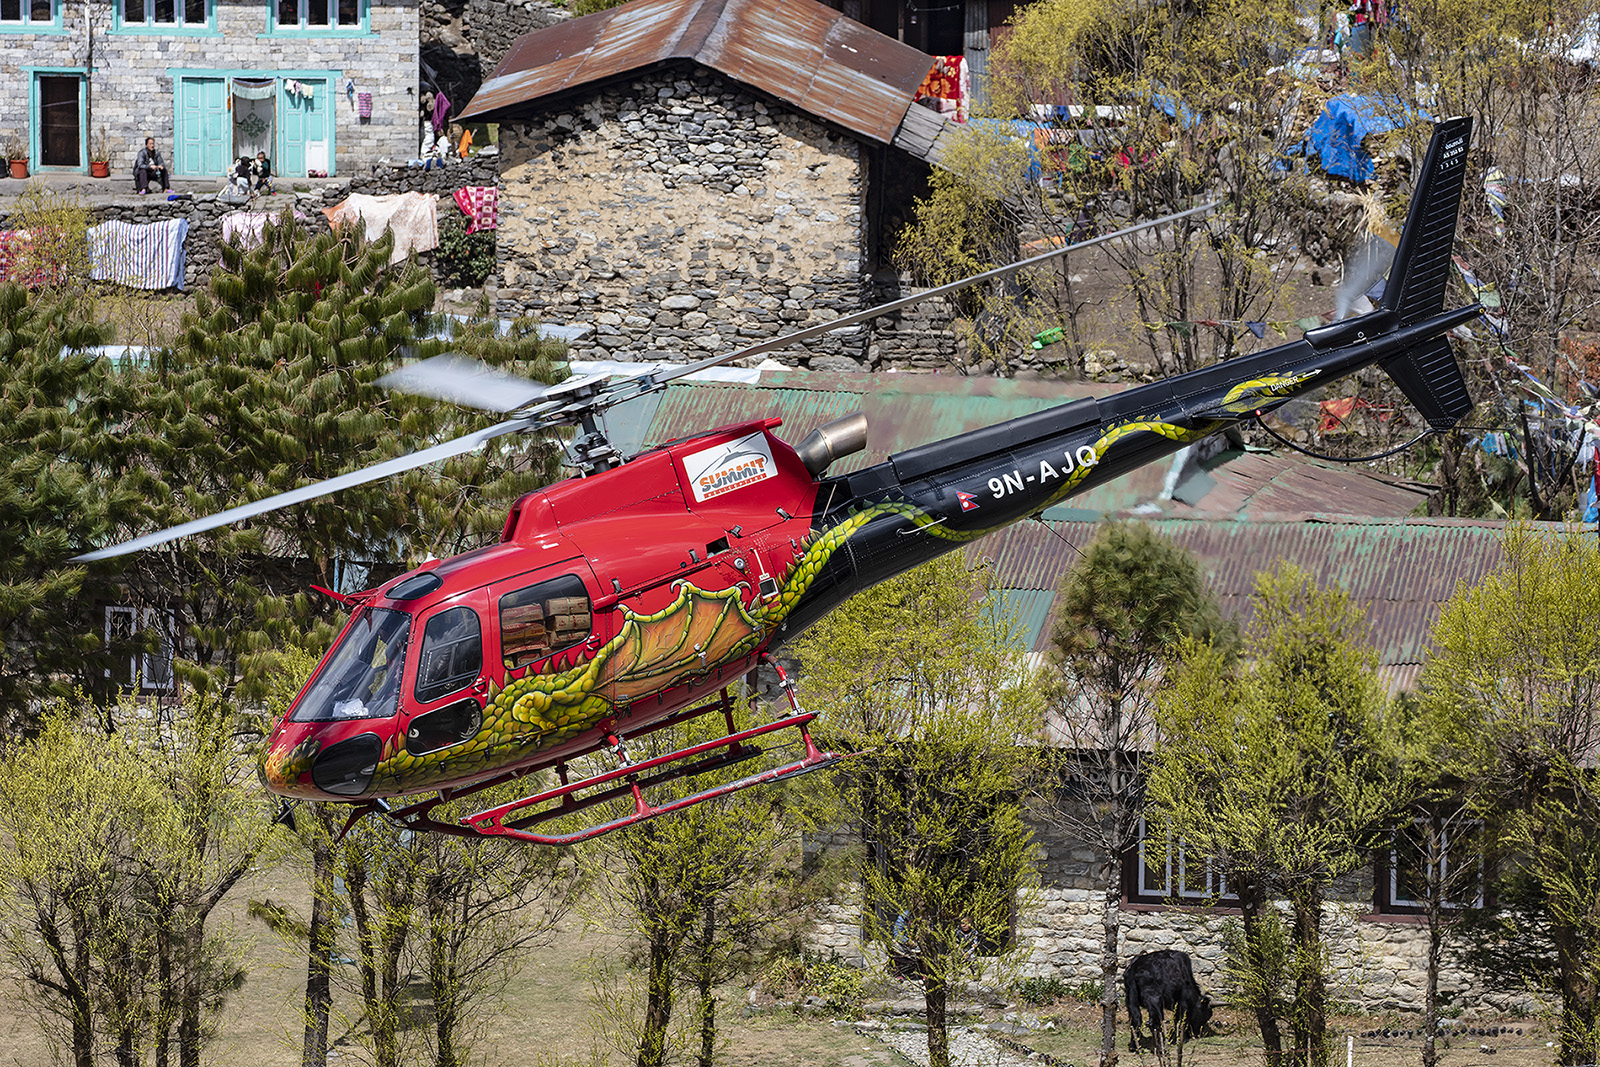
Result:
{"points": [[452, 654], [543, 618], [361, 679]]}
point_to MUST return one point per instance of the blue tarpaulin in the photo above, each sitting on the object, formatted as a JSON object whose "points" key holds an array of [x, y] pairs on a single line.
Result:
{"points": [[1337, 134]]}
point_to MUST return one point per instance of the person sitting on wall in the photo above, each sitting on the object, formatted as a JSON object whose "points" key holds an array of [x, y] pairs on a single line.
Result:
{"points": [[148, 167], [262, 170]]}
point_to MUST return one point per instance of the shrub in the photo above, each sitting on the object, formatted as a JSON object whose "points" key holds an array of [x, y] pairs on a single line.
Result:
{"points": [[463, 260]]}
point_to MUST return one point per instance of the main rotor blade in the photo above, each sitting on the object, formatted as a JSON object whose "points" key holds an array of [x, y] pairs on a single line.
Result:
{"points": [[458, 446], [927, 294], [465, 381]]}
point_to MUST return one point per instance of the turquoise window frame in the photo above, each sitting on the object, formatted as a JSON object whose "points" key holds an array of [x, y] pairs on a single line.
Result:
{"points": [[163, 29], [33, 75], [361, 29], [27, 25]]}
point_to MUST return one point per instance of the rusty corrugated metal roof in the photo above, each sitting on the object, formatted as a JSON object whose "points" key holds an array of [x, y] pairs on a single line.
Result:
{"points": [[1261, 485], [799, 51], [1400, 570]]}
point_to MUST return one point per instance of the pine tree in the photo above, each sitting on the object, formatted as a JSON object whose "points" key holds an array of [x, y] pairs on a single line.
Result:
{"points": [[65, 475], [271, 386]]}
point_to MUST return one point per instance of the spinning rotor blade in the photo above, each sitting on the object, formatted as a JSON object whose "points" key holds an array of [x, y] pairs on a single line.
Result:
{"points": [[457, 447], [1368, 261], [466, 382], [927, 294]]}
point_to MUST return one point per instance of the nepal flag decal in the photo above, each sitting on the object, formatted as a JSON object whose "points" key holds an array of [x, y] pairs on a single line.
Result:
{"points": [[968, 501]]}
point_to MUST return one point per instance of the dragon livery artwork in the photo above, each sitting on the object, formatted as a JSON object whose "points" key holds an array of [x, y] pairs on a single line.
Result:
{"points": [[632, 597]]}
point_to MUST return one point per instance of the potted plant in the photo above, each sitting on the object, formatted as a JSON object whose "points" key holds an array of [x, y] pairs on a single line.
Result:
{"points": [[17, 154], [100, 156]]}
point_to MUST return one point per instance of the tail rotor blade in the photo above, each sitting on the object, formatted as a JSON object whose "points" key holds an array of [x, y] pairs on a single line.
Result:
{"points": [[457, 447]]}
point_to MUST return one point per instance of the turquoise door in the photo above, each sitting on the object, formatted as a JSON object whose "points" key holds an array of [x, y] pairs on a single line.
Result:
{"points": [[303, 125], [204, 136]]}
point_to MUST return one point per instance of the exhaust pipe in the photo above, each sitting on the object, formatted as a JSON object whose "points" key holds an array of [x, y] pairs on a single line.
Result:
{"points": [[831, 441]]}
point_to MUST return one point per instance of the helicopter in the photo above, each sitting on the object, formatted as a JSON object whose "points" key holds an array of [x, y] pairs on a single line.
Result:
{"points": [[633, 597]]}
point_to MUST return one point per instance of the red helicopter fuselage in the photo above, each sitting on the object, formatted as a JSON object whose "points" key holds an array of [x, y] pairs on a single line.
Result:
{"points": [[661, 571]]}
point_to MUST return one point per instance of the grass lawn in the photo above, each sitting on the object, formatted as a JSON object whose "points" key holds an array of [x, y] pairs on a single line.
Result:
{"points": [[545, 1019]]}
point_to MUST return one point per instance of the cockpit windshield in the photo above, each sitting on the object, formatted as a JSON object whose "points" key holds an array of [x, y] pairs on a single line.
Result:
{"points": [[361, 678]]}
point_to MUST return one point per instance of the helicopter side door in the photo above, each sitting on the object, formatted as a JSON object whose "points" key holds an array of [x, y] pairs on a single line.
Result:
{"points": [[445, 703]]}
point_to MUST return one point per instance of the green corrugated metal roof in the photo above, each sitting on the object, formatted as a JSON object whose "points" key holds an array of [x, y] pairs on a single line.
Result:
{"points": [[903, 411]]}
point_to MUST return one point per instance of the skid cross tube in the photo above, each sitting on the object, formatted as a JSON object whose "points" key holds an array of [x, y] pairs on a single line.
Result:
{"points": [[489, 820]]}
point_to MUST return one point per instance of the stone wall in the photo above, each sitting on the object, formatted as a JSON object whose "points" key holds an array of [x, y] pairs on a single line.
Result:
{"points": [[131, 82], [683, 215], [1378, 963]]}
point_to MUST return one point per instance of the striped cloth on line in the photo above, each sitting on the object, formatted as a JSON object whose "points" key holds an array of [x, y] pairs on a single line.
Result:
{"points": [[143, 256], [481, 204]]}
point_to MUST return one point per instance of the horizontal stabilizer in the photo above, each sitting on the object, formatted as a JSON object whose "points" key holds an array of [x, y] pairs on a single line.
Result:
{"points": [[1431, 379]]}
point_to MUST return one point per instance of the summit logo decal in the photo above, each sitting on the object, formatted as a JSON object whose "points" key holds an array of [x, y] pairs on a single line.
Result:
{"points": [[724, 468]]}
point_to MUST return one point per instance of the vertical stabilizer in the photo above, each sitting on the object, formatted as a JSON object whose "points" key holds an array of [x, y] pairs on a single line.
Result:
{"points": [[1415, 288], [1429, 374]]}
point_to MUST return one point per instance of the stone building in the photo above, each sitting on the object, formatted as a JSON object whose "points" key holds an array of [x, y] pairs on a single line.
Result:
{"points": [[691, 176], [319, 85]]}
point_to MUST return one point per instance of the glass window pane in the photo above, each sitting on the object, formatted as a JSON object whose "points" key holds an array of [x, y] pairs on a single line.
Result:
{"points": [[541, 619], [452, 654], [289, 13], [165, 12], [44, 11], [132, 11], [360, 678], [194, 12], [316, 12], [349, 12], [10, 10]]}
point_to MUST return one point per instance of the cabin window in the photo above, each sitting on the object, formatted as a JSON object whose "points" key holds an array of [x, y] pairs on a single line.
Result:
{"points": [[543, 618], [1167, 871], [450, 725], [360, 679], [452, 654]]}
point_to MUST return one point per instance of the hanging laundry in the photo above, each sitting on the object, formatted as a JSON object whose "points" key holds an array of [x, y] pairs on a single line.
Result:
{"points": [[364, 105], [947, 87], [245, 228], [143, 256], [441, 111], [414, 218], [481, 205]]}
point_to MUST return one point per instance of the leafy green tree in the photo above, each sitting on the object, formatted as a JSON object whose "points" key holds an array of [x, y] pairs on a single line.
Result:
{"points": [[1285, 767], [1179, 103], [122, 846], [926, 673], [1122, 611], [270, 386], [706, 893], [1517, 680], [1525, 236]]}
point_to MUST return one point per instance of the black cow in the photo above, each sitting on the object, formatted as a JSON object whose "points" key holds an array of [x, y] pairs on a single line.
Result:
{"points": [[1156, 982]]}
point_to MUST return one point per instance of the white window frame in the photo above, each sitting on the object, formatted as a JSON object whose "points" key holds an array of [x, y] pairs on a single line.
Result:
{"points": [[1396, 901], [302, 23], [151, 671], [179, 21], [25, 15], [1176, 864]]}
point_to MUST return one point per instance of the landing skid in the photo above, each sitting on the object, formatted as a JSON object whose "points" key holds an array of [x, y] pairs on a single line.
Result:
{"points": [[627, 780]]}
